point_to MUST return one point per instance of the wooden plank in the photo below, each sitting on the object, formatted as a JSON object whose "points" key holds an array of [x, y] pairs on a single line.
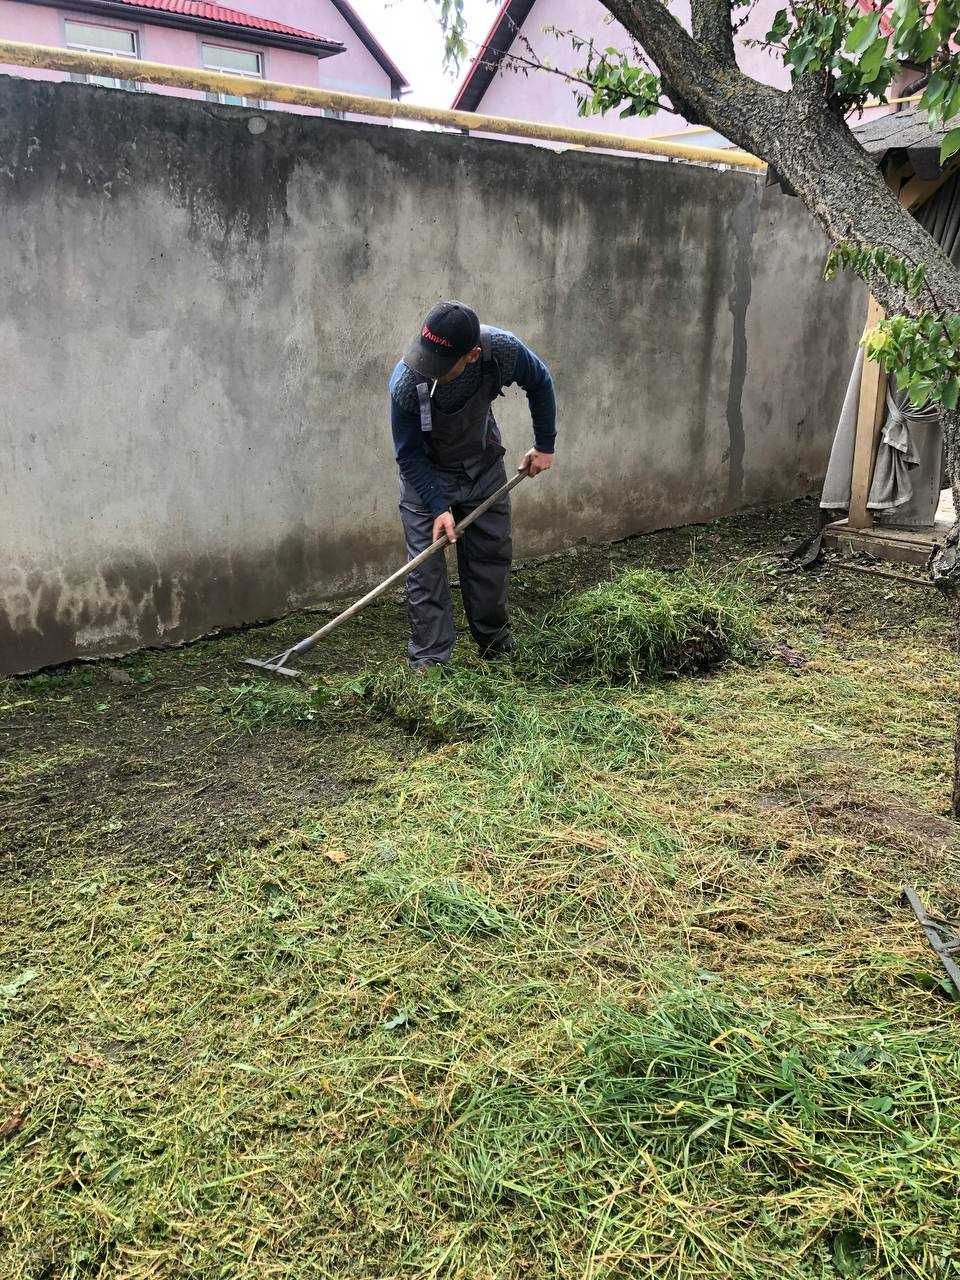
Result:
{"points": [[918, 190], [873, 390], [901, 546], [896, 175], [849, 566]]}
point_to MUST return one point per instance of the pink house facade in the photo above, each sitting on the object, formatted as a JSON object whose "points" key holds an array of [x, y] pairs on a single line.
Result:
{"points": [[322, 44], [493, 85]]}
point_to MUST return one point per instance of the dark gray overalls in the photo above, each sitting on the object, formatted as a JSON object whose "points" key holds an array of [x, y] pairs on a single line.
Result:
{"points": [[467, 455]]}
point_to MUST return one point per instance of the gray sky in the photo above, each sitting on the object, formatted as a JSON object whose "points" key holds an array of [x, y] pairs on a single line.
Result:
{"points": [[410, 32]]}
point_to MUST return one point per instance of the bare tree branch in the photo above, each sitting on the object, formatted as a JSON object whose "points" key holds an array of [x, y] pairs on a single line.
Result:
{"points": [[531, 61]]}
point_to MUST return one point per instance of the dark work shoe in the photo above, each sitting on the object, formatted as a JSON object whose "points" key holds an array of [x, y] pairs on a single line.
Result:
{"points": [[418, 668], [497, 655]]}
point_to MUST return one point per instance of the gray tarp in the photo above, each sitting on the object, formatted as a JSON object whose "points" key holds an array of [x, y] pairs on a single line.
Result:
{"points": [[891, 487], [836, 486], [897, 456]]}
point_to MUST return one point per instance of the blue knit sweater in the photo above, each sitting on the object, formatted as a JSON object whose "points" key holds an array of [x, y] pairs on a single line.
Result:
{"points": [[518, 365]]}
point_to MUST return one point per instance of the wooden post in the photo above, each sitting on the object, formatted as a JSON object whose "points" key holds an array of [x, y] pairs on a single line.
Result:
{"points": [[873, 393]]}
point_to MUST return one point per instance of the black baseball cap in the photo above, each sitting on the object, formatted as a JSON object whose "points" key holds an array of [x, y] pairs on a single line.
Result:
{"points": [[450, 330]]}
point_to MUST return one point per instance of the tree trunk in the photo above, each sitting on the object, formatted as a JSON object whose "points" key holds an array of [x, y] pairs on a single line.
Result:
{"points": [[951, 440]]}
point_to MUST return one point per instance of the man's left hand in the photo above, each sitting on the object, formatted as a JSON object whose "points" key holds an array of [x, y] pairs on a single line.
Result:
{"points": [[534, 461]]}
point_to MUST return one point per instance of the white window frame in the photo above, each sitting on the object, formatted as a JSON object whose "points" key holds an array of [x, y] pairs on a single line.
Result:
{"points": [[106, 82], [231, 71], [231, 99]]}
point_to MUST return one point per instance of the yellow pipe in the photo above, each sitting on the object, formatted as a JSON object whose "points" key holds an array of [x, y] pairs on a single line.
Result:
{"points": [[48, 58], [681, 133], [890, 102]]}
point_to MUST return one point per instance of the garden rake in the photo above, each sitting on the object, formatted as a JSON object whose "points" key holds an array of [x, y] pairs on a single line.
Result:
{"points": [[277, 665]]}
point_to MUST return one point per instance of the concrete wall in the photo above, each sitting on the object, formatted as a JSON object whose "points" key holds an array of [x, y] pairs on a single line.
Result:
{"points": [[198, 321]]}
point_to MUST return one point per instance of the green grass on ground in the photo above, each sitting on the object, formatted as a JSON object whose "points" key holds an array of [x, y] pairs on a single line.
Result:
{"points": [[487, 978]]}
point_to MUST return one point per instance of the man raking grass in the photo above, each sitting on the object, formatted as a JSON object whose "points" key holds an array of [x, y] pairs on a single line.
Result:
{"points": [[453, 483]]}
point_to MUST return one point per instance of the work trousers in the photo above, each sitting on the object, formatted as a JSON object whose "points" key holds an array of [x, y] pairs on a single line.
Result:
{"points": [[484, 553]]}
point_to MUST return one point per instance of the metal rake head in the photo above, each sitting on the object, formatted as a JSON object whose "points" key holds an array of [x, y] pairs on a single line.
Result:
{"points": [[275, 665]]}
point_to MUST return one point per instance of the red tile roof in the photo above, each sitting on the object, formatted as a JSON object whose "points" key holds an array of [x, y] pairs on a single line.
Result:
{"points": [[217, 13]]}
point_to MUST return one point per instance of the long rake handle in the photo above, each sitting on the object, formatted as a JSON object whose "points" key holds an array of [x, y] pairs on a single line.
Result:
{"points": [[400, 574]]}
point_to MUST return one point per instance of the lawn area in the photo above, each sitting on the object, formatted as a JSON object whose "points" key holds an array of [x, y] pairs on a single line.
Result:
{"points": [[603, 982]]}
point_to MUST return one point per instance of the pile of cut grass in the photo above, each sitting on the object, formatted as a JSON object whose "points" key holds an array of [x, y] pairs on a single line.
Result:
{"points": [[498, 714], [442, 704], [644, 625]]}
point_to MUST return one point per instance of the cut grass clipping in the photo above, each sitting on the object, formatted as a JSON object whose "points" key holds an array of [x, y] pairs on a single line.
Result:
{"points": [[443, 705], [460, 704], [644, 625], [734, 1126], [618, 988]]}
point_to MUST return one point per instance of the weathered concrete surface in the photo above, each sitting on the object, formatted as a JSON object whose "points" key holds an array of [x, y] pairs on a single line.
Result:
{"points": [[198, 323]]}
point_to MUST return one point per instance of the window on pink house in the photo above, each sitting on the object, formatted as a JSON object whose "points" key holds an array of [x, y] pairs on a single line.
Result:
{"points": [[233, 62], [89, 37]]}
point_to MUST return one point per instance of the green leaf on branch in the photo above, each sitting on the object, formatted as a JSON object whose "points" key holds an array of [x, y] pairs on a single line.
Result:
{"points": [[861, 52], [454, 27], [933, 97], [950, 145], [802, 56], [921, 353], [617, 83], [870, 261], [927, 44], [872, 60], [945, 21], [863, 34], [781, 25], [905, 18]]}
